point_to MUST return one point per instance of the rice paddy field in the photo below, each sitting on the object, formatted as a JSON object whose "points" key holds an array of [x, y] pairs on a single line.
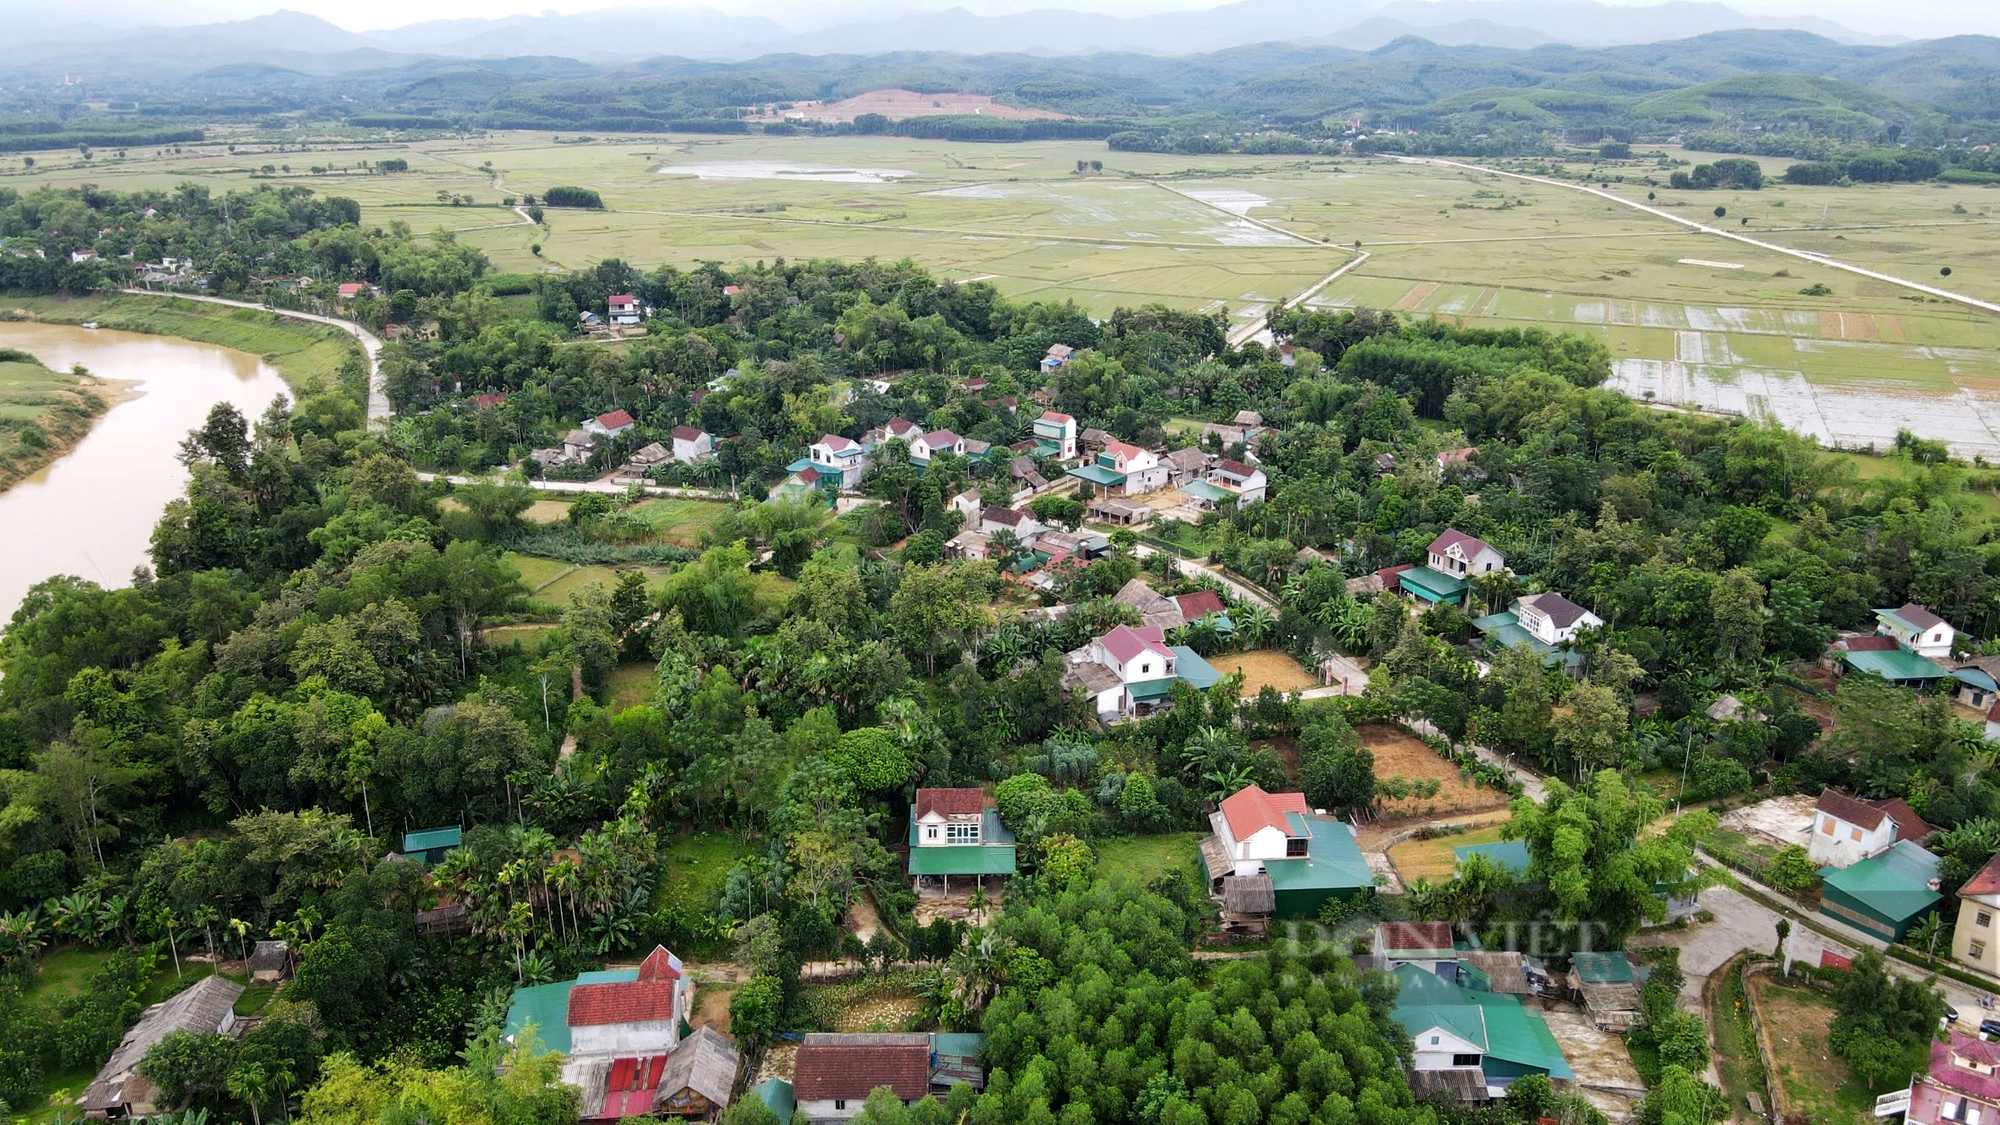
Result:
{"points": [[1691, 318]]}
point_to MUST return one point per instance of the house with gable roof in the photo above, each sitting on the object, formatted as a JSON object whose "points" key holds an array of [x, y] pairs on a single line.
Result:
{"points": [[1846, 830], [1237, 481], [927, 446], [691, 445], [1057, 355], [957, 832], [1055, 435], [1917, 630], [1308, 858], [1122, 469], [899, 428], [622, 308], [1452, 557], [1960, 1086], [1542, 622], [610, 425], [1975, 940], [840, 461], [1471, 1043]]}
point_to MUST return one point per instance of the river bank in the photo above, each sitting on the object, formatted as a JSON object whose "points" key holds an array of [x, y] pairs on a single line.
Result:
{"points": [[44, 413], [91, 512], [311, 358]]}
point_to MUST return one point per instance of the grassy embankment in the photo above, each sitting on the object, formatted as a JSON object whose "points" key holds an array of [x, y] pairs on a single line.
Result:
{"points": [[43, 413]]}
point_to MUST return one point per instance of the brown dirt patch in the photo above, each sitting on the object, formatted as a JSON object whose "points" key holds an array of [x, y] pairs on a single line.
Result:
{"points": [[897, 104], [1829, 326], [1415, 296], [1797, 1021], [780, 1061], [1265, 666], [1858, 326], [1398, 754], [712, 1007], [1892, 328]]}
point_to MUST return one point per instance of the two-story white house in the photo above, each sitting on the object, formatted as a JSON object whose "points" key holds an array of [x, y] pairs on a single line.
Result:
{"points": [[610, 425], [623, 308], [1847, 830], [1917, 629], [1243, 483], [901, 429], [1055, 435], [957, 832], [1975, 940], [1124, 669], [1460, 555], [1121, 469], [929, 445], [840, 457], [1255, 827], [691, 445], [969, 505]]}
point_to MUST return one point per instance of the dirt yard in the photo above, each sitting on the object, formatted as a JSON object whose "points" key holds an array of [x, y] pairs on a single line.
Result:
{"points": [[712, 1007], [1265, 666], [1783, 820], [1603, 1068], [1398, 754]]}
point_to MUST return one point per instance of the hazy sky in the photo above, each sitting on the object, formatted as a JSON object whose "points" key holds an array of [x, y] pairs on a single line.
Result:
{"points": [[1915, 18]]}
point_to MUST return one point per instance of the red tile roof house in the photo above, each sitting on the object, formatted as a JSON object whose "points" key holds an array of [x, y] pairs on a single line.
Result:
{"points": [[352, 289], [623, 308], [834, 1074], [691, 445], [1960, 1087], [610, 425], [1253, 826], [636, 1016]]}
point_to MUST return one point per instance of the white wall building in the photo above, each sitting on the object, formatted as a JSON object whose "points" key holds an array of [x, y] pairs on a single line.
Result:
{"points": [[1917, 629], [691, 445], [1255, 826], [1552, 619], [841, 457], [1459, 555]]}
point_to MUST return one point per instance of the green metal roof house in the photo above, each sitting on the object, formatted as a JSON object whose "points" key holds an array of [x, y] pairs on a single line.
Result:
{"points": [[1896, 665], [953, 832], [1460, 1032], [1885, 895], [1432, 586], [547, 1007], [1332, 868], [776, 1093], [431, 844]]}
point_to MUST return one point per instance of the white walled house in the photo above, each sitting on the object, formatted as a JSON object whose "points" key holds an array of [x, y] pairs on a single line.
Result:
{"points": [[969, 505], [931, 444], [1123, 669], [641, 1016], [1122, 470], [1847, 830], [623, 308], [1055, 435], [833, 1074], [691, 445], [1459, 555], [610, 425], [1552, 618], [840, 457], [1917, 629], [1244, 483], [1255, 826], [1026, 528], [1427, 945]]}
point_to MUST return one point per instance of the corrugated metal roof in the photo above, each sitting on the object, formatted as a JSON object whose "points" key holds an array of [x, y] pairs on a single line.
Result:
{"points": [[1895, 884], [1895, 665]]}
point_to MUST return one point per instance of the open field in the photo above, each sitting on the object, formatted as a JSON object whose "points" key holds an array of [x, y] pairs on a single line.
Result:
{"points": [[1692, 318], [1436, 859], [693, 872], [1400, 755], [631, 685], [1265, 666], [679, 521], [1811, 1079], [1146, 858]]}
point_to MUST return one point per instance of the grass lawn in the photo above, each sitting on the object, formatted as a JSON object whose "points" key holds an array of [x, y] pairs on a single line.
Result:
{"points": [[1736, 1060], [1148, 857], [631, 685], [1436, 858], [64, 974], [556, 591], [679, 521], [536, 572], [693, 870], [42, 414], [1813, 1080]]}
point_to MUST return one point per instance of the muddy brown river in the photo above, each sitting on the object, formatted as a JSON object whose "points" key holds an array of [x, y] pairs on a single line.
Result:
{"points": [[92, 513]]}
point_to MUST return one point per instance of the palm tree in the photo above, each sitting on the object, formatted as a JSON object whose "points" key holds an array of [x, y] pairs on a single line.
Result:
{"points": [[1207, 748], [250, 1084], [1223, 781], [1924, 935]]}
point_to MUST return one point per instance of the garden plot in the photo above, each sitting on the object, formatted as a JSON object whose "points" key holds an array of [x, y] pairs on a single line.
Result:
{"points": [[1400, 754]]}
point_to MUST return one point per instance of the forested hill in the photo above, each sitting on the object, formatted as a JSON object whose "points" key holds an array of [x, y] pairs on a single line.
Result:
{"points": [[1742, 82]]}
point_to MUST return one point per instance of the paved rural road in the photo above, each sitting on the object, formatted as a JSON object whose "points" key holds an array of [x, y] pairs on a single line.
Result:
{"points": [[378, 399], [1658, 212], [1260, 326]]}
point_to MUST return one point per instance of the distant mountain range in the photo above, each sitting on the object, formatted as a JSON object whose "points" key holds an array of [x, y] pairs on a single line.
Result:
{"points": [[296, 40]]}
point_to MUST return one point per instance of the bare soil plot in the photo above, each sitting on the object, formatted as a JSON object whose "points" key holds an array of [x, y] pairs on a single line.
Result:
{"points": [[711, 1007], [1398, 754], [1783, 820], [1598, 1058], [1416, 296], [1265, 666]]}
